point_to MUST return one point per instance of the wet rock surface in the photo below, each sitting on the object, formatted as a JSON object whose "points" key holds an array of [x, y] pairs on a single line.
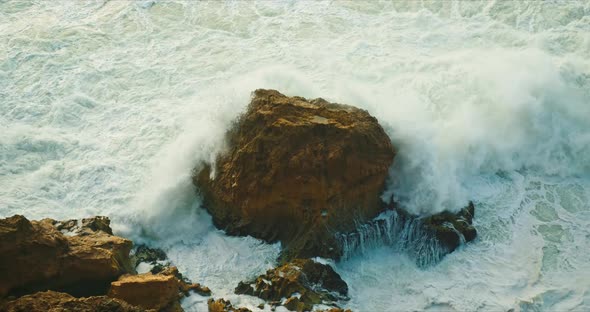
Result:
{"points": [[156, 259], [51, 301], [452, 229], [297, 285], [426, 239], [85, 226], [146, 254], [37, 256], [296, 171]]}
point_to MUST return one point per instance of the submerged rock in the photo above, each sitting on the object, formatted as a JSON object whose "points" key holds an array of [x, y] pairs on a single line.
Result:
{"points": [[297, 171], [297, 285], [221, 305], [426, 239], [149, 255], [37, 256], [452, 229], [152, 259], [57, 302]]}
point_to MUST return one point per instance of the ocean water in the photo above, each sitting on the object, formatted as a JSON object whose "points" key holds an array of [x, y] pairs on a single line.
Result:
{"points": [[106, 106]]}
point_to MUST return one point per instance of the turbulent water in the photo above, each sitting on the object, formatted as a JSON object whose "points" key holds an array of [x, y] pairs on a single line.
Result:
{"points": [[106, 106]]}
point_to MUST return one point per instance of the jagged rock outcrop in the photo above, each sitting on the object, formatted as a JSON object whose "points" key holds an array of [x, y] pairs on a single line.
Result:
{"points": [[297, 285], [37, 256], [51, 301], [161, 291], [221, 305], [297, 171]]}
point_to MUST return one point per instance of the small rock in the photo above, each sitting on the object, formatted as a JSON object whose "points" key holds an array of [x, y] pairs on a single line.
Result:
{"points": [[221, 305], [452, 229], [294, 304], [144, 253], [199, 289]]}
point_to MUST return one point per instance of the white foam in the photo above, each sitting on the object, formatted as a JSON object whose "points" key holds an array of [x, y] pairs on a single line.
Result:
{"points": [[106, 107]]}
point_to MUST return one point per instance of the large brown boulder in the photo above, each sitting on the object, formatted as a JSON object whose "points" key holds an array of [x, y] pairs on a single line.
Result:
{"points": [[302, 282], [297, 171], [37, 256], [51, 301]]}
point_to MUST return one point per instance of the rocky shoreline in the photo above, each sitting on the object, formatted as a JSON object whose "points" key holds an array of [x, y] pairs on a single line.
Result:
{"points": [[80, 265], [306, 173], [110, 281]]}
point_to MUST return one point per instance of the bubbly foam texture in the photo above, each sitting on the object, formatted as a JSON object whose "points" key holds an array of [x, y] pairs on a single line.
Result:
{"points": [[107, 106]]}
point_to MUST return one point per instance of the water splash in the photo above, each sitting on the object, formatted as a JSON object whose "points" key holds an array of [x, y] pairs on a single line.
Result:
{"points": [[402, 234]]}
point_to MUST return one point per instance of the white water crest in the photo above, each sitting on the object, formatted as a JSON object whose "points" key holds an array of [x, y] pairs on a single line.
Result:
{"points": [[106, 107]]}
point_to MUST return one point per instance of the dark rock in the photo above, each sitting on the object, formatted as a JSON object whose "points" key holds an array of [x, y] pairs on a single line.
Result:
{"points": [[294, 304], [452, 229], [303, 282], [426, 239], [144, 253], [157, 268]]}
